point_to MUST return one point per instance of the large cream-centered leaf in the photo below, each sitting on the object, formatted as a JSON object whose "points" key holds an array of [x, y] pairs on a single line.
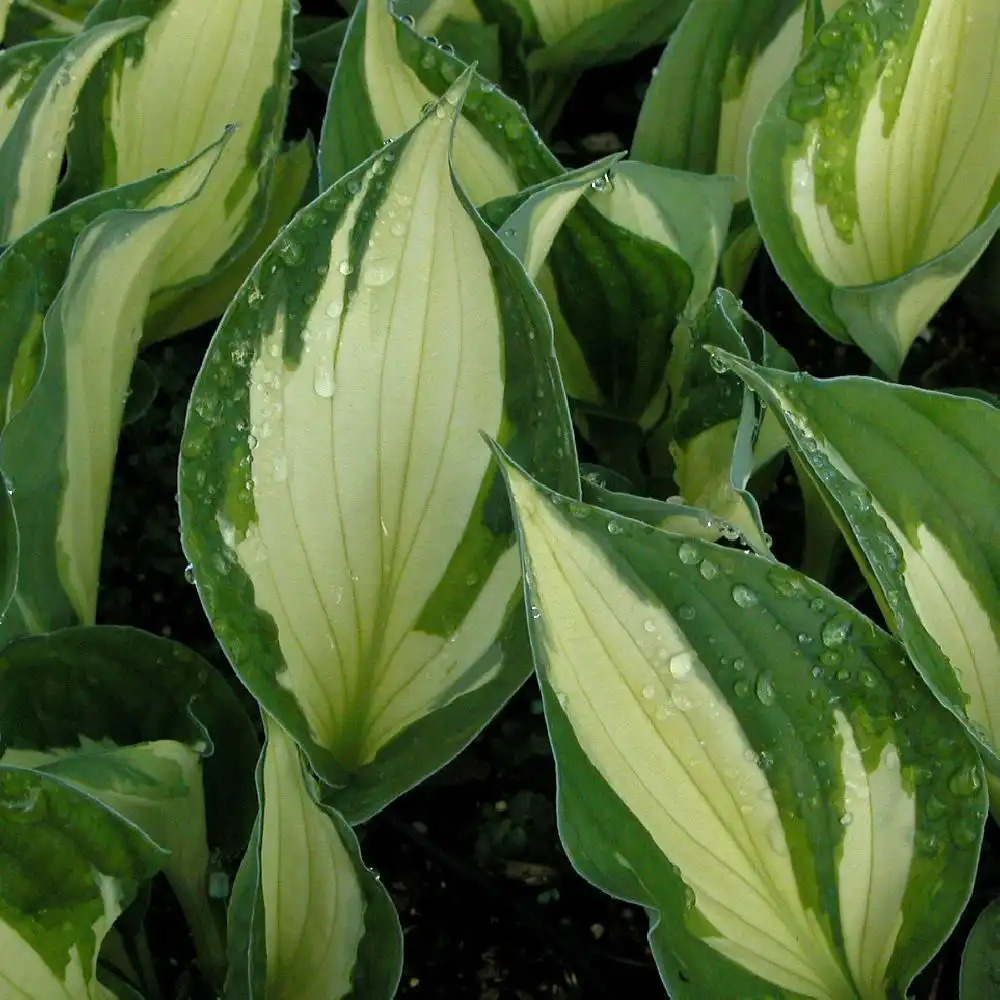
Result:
{"points": [[397, 98], [649, 716], [925, 157], [367, 464], [314, 906]]}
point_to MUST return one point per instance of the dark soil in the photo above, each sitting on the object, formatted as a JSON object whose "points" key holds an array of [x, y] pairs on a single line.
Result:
{"points": [[490, 906]]}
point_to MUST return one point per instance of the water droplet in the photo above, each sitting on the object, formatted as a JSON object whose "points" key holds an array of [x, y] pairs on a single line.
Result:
{"points": [[738, 664], [323, 383], [741, 688], [649, 692], [290, 252], [688, 553], [804, 639], [764, 689], [649, 625], [335, 307], [965, 781], [817, 604], [743, 596], [345, 267], [686, 612], [561, 698], [835, 631], [708, 569], [614, 528], [189, 573], [379, 272], [681, 665], [662, 713]]}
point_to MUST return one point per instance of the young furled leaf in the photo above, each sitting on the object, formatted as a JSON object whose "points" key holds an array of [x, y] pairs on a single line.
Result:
{"points": [[747, 757], [332, 451], [308, 920], [873, 173]]}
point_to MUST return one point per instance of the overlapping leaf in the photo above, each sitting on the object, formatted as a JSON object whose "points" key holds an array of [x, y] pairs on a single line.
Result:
{"points": [[58, 446], [746, 756], [75, 705], [196, 69], [910, 476], [70, 866]]}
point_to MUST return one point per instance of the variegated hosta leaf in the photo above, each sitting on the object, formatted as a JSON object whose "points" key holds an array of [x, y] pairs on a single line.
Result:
{"points": [[75, 704], [873, 172], [31, 155], [332, 451], [308, 920], [196, 69], [746, 756], [73, 413], [910, 476], [387, 74], [20, 68], [70, 867], [684, 214], [716, 76], [598, 278]]}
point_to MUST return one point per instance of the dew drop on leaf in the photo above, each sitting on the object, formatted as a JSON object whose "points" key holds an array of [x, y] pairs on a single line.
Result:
{"points": [[743, 596], [835, 631], [708, 569], [764, 689], [323, 384], [681, 666], [687, 553], [649, 692]]}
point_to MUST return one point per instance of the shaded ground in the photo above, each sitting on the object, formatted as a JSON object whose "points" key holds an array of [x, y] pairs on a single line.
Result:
{"points": [[490, 906]]}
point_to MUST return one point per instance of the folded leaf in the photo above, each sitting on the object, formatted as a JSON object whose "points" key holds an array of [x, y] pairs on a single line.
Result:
{"points": [[293, 172], [196, 69], [332, 451], [747, 757], [930, 549], [873, 174], [308, 920], [31, 156], [70, 866], [75, 704], [711, 441], [73, 413]]}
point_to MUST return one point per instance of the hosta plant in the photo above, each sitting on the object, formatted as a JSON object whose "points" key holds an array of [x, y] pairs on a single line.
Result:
{"points": [[472, 414]]}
